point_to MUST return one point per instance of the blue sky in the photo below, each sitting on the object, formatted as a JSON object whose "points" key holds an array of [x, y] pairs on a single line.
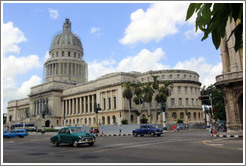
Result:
{"points": [[115, 37]]}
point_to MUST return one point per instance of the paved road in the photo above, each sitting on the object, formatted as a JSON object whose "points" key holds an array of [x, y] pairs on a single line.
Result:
{"points": [[185, 147]]}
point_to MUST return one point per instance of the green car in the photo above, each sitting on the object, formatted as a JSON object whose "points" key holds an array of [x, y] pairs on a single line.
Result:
{"points": [[73, 136]]}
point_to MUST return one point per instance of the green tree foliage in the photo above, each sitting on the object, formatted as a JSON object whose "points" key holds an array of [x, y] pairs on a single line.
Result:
{"points": [[127, 93], [217, 97], [148, 94], [212, 18]]}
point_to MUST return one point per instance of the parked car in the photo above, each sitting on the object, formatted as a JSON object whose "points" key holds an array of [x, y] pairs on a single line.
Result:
{"points": [[147, 129], [20, 132], [73, 136], [7, 134]]}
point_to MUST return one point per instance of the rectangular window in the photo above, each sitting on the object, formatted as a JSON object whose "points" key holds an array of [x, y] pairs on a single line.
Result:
{"points": [[65, 68], [180, 101], [185, 89], [187, 101], [163, 76], [178, 76], [171, 89], [184, 76], [172, 102], [68, 53], [192, 102], [179, 89], [109, 103], [170, 76], [191, 89], [114, 102], [104, 103]]}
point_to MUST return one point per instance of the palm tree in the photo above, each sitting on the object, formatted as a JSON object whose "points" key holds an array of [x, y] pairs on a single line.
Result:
{"points": [[127, 93], [155, 85], [161, 97], [148, 93], [138, 99]]}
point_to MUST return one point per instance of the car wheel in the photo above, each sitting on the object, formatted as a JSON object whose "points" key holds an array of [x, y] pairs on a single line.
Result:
{"points": [[56, 143], [153, 134], [75, 143], [91, 144], [158, 135], [141, 135], [135, 134], [20, 136]]}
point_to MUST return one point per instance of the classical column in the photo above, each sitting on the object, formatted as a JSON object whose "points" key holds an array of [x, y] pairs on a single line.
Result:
{"points": [[77, 105], [80, 107], [224, 56], [92, 102]]}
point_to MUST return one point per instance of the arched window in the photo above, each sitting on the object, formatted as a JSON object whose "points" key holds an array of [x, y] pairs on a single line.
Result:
{"points": [[62, 53], [181, 115], [189, 115], [89, 121], [103, 120], [108, 119], [114, 119], [81, 121], [194, 114], [47, 123], [85, 121], [174, 115]]}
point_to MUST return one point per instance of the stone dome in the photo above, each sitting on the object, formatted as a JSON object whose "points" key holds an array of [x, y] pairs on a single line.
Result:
{"points": [[66, 39]]}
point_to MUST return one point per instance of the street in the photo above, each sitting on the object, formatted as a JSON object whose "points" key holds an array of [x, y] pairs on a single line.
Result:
{"points": [[183, 147]]}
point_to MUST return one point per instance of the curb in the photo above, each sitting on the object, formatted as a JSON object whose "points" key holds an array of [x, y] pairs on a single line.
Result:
{"points": [[235, 136], [109, 135]]}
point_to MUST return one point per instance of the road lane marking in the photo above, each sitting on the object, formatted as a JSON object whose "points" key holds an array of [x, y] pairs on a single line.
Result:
{"points": [[216, 146]]}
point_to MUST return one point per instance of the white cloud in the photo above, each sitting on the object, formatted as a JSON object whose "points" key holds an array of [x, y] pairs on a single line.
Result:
{"points": [[94, 30], [13, 66], [25, 87], [192, 33], [53, 13], [206, 71], [159, 20], [14, 36], [144, 61]]}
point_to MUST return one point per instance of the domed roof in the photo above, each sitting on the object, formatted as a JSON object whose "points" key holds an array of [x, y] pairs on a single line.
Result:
{"points": [[66, 39]]}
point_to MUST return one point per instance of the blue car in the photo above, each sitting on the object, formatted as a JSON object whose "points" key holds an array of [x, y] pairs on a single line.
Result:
{"points": [[6, 134], [147, 129], [20, 133]]}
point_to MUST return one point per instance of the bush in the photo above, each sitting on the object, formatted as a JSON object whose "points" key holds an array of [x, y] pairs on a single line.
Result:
{"points": [[124, 121], [144, 121], [180, 121]]}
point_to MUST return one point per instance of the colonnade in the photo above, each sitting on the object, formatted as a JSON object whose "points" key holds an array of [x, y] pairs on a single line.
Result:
{"points": [[39, 106], [61, 68], [79, 105]]}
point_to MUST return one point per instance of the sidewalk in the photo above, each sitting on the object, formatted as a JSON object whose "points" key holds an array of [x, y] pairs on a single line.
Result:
{"points": [[225, 134]]}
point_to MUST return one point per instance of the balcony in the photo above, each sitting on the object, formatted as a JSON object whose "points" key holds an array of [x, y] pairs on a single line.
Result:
{"points": [[229, 77]]}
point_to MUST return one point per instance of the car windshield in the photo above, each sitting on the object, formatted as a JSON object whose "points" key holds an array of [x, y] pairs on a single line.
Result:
{"points": [[74, 130], [154, 126]]}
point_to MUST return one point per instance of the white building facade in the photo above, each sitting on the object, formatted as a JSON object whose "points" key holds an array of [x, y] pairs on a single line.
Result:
{"points": [[68, 99]]}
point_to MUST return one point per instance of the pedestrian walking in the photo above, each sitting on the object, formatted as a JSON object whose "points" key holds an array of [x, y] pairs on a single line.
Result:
{"points": [[174, 128], [178, 128]]}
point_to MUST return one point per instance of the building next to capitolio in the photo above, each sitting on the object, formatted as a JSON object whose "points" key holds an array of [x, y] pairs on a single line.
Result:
{"points": [[67, 98], [231, 80]]}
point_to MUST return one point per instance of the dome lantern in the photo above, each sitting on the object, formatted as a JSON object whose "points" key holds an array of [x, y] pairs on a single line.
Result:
{"points": [[67, 25]]}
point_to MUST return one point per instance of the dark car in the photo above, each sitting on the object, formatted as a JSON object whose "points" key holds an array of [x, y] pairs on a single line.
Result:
{"points": [[73, 136], [148, 129]]}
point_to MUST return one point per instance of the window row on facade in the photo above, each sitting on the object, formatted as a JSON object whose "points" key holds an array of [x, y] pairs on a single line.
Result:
{"points": [[171, 77], [64, 68], [22, 113], [190, 116], [185, 89], [66, 54], [185, 102], [104, 120]]}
